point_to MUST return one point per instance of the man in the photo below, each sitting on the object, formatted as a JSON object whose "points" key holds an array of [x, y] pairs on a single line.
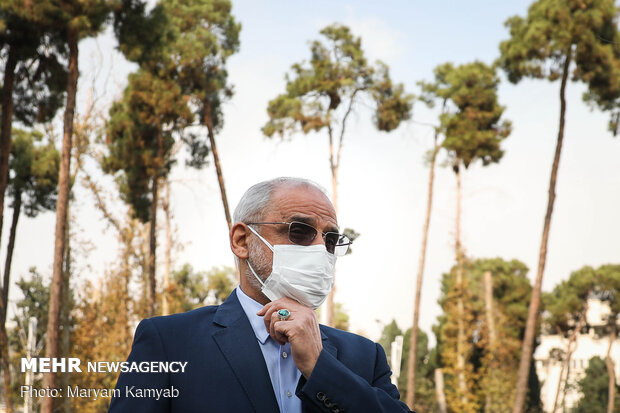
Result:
{"points": [[263, 350]]}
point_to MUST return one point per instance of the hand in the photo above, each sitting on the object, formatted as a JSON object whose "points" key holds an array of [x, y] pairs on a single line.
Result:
{"points": [[301, 329]]}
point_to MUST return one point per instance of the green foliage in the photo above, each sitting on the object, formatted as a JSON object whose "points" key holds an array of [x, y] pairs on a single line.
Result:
{"points": [[608, 286], [448, 332], [341, 318], [181, 47], [34, 303], [584, 31], [85, 17], [490, 372], [426, 363], [593, 387], [393, 104], [33, 171], [204, 34], [336, 74], [107, 306], [389, 333], [221, 281], [566, 304], [140, 136], [40, 77], [352, 235], [143, 37], [190, 289], [186, 42], [471, 117]]}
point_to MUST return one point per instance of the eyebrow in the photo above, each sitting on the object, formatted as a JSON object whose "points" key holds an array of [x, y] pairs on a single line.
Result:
{"points": [[310, 221]]}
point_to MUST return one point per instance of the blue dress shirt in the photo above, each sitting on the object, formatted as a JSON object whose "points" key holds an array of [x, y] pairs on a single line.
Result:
{"points": [[283, 372]]}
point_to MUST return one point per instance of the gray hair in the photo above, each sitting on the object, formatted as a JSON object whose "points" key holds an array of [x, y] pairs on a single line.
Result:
{"points": [[255, 202]]}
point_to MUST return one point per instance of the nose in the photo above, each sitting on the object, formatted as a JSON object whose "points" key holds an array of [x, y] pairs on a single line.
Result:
{"points": [[319, 239]]}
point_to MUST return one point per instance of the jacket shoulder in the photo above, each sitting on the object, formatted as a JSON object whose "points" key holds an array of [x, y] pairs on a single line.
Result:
{"points": [[349, 342], [177, 325]]}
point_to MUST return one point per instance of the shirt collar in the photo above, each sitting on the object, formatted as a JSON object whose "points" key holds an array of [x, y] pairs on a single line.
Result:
{"points": [[251, 307]]}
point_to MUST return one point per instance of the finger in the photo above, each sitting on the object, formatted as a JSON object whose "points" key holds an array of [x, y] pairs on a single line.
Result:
{"points": [[268, 317], [278, 335], [266, 308], [281, 329], [272, 322]]}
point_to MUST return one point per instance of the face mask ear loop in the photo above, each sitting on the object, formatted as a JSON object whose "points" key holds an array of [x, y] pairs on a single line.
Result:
{"points": [[248, 261], [254, 272], [261, 238]]}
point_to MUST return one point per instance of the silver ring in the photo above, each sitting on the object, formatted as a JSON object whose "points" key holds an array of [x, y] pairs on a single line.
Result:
{"points": [[283, 314]]}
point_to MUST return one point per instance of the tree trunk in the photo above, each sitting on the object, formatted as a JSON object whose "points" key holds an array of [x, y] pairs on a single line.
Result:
{"points": [[460, 339], [439, 391], [5, 126], [570, 348], [330, 297], [6, 368], [488, 300], [49, 379], [144, 263], [413, 348], [333, 165], [9, 256], [127, 235], [530, 327], [152, 249], [216, 161], [65, 311], [166, 207], [611, 391], [4, 343], [5, 300]]}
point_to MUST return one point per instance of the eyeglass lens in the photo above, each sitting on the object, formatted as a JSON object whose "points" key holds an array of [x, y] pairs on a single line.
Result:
{"points": [[303, 234]]}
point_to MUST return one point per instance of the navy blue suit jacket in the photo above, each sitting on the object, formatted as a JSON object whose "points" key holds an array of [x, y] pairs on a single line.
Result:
{"points": [[226, 372]]}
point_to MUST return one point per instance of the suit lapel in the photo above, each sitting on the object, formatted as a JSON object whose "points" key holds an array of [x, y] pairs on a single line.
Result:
{"points": [[239, 346], [327, 345]]}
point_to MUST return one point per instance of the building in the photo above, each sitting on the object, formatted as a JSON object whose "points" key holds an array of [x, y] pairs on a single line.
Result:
{"points": [[591, 341]]}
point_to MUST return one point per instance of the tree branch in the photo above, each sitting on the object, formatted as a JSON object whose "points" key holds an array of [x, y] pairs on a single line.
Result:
{"points": [[344, 125]]}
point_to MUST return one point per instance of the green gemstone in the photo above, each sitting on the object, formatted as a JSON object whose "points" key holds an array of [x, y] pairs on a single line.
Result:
{"points": [[284, 313]]}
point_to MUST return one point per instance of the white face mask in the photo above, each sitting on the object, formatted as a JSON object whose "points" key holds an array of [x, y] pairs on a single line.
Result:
{"points": [[303, 273]]}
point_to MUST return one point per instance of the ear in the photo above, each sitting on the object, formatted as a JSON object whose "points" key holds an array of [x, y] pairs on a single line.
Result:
{"points": [[239, 234]]}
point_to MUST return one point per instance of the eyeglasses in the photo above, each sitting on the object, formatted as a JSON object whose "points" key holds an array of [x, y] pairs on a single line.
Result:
{"points": [[303, 234]]}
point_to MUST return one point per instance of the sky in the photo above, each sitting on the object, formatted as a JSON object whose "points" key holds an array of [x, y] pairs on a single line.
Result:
{"points": [[383, 177]]}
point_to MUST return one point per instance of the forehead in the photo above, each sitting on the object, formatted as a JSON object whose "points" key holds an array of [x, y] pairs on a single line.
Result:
{"points": [[304, 203]]}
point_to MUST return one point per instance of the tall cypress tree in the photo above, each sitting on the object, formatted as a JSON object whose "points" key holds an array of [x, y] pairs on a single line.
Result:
{"points": [[140, 139], [205, 35], [32, 91], [32, 186], [322, 94], [473, 131], [71, 20], [561, 39]]}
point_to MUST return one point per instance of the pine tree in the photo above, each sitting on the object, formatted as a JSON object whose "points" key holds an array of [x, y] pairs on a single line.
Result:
{"points": [[205, 35], [73, 20], [190, 289], [593, 387], [552, 38], [140, 139], [490, 370], [473, 130], [32, 186], [322, 94]]}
